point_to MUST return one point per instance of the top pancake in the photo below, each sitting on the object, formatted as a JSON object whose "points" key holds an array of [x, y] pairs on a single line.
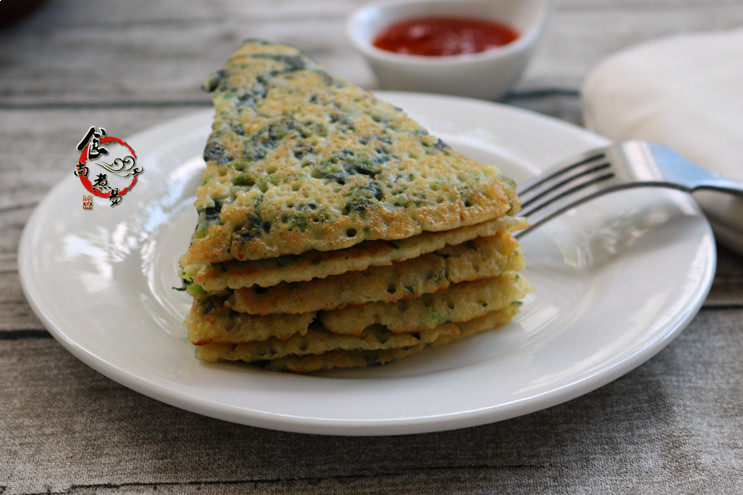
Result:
{"points": [[299, 160]]}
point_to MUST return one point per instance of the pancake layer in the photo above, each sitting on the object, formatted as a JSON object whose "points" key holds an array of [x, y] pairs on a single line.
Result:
{"points": [[334, 231]]}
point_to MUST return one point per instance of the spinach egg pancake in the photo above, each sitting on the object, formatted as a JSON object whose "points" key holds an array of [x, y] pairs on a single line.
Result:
{"points": [[320, 264], [360, 358], [333, 230], [300, 160], [481, 258], [211, 322], [374, 347]]}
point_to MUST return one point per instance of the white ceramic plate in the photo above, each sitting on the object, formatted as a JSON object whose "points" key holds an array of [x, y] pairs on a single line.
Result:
{"points": [[615, 281]]}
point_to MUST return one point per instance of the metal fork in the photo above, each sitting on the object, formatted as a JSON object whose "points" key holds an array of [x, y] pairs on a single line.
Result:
{"points": [[620, 166]]}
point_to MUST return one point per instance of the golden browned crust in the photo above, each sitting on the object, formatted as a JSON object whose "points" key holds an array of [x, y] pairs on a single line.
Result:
{"points": [[321, 264], [480, 258], [317, 341], [210, 322], [460, 302], [340, 359], [299, 160], [356, 358]]}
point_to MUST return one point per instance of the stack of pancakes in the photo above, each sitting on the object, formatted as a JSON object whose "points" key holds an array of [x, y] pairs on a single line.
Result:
{"points": [[333, 231]]}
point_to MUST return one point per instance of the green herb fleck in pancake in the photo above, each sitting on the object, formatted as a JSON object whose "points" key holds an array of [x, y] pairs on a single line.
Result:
{"points": [[299, 160]]}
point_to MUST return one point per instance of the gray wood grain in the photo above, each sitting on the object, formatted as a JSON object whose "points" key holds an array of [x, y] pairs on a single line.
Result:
{"points": [[112, 52], [673, 425]]}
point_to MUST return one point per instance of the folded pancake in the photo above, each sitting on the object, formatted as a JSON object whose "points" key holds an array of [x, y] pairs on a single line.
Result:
{"points": [[362, 358], [318, 340], [210, 322], [491, 321], [460, 302], [321, 264], [340, 359], [299, 160], [333, 231], [480, 258]]}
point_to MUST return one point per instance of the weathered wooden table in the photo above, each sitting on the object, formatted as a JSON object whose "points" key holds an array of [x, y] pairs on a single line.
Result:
{"points": [[674, 424]]}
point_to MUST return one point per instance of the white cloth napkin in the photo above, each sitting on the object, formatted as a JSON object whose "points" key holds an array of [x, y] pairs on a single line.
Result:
{"points": [[685, 92]]}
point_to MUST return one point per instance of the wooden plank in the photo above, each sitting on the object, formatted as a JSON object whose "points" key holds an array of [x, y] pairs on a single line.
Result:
{"points": [[68, 429], [157, 55], [104, 53]]}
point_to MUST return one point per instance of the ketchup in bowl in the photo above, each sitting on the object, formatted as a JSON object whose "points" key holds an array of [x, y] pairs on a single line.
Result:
{"points": [[444, 36]]}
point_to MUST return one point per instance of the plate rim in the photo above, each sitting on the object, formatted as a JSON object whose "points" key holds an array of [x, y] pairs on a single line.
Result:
{"points": [[365, 426]]}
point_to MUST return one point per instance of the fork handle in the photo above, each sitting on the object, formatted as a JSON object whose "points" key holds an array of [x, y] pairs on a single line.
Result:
{"points": [[723, 184], [679, 170]]}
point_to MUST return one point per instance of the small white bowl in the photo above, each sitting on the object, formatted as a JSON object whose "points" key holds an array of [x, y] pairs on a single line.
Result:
{"points": [[486, 74]]}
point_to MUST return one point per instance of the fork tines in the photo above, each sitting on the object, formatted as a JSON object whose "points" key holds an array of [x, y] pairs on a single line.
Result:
{"points": [[564, 180]]}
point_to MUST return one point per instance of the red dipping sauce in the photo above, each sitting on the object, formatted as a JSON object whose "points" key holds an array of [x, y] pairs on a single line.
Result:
{"points": [[444, 36]]}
